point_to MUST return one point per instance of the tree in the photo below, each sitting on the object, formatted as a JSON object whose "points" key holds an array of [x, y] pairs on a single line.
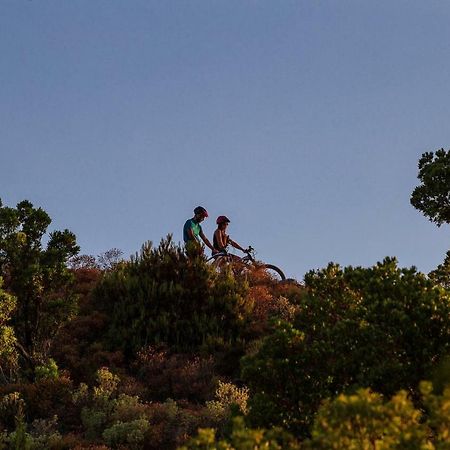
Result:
{"points": [[382, 327], [441, 274], [363, 420], [110, 259], [38, 277], [432, 197], [8, 352]]}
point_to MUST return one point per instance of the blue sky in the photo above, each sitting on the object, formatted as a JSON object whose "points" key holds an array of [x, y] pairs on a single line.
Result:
{"points": [[302, 121]]}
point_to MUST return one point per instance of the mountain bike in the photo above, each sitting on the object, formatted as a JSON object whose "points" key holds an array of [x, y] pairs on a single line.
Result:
{"points": [[244, 264]]}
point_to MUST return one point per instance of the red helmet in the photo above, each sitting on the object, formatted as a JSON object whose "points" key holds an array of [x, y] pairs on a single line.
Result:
{"points": [[222, 219], [201, 211]]}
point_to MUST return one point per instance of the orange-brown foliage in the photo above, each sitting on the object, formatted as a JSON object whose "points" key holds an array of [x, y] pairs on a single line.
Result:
{"points": [[177, 376]]}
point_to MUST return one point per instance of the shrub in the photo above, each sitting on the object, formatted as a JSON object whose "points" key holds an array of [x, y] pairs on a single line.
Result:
{"points": [[243, 438], [78, 347], [10, 405], [437, 407], [119, 418], [164, 296], [382, 327], [171, 424], [130, 434], [45, 398], [177, 376], [227, 396], [47, 371], [8, 353], [364, 420]]}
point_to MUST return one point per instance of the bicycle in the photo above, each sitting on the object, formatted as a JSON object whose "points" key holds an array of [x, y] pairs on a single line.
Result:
{"points": [[245, 263]]}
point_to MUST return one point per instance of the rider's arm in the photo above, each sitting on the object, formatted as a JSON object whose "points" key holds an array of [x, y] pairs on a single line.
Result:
{"points": [[206, 241], [235, 245]]}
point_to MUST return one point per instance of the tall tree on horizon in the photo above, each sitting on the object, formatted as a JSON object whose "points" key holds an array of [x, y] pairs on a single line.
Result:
{"points": [[37, 275], [432, 196]]}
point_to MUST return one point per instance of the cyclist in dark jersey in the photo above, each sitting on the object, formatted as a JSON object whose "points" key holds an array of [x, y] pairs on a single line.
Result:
{"points": [[221, 239], [192, 229]]}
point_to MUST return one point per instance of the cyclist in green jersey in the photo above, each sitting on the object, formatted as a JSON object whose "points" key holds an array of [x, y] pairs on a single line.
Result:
{"points": [[192, 229]]}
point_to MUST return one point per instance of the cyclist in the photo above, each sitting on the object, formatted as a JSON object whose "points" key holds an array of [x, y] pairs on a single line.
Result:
{"points": [[192, 229], [221, 239]]}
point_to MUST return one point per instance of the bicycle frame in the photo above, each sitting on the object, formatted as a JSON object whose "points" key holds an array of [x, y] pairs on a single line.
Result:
{"points": [[249, 257]]}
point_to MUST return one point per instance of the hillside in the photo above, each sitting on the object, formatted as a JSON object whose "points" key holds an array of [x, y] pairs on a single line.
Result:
{"points": [[144, 353]]}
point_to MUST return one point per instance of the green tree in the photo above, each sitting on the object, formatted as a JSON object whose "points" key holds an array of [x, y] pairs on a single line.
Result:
{"points": [[438, 413], [365, 421], [36, 275], [441, 274], [432, 196], [8, 352], [381, 327]]}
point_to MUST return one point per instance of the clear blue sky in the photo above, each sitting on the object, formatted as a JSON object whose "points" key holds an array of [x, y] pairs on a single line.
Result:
{"points": [[303, 121]]}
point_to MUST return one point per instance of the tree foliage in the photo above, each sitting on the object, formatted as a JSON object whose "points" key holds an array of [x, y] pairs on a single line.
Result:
{"points": [[441, 275], [165, 296], [363, 420], [381, 327], [36, 275], [8, 351], [432, 196], [243, 438]]}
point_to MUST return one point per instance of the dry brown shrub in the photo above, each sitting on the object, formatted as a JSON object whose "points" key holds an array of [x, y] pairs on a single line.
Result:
{"points": [[177, 376], [45, 398]]}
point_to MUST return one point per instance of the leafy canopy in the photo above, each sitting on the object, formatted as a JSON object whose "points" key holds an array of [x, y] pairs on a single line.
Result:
{"points": [[432, 196], [165, 296], [380, 327], [36, 275]]}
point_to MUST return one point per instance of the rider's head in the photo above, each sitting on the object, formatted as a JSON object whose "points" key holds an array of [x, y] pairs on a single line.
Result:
{"points": [[200, 213], [222, 221]]}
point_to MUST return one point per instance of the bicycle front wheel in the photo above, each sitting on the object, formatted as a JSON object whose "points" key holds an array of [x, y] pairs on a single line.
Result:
{"points": [[274, 271]]}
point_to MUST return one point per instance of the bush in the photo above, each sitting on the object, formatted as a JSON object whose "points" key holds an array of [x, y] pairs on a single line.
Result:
{"points": [[382, 327], [243, 438], [228, 396], [45, 398], [130, 434], [164, 296], [177, 376], [364, 420], [9, 359], [47, 371], [437, 407]]}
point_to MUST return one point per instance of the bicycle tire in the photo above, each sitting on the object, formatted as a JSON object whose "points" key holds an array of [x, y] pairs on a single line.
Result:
{"points": [[271, 269]]}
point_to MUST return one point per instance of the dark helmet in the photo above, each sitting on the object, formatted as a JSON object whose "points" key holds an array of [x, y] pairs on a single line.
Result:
{"points": [[222, 219], [200, 211]]}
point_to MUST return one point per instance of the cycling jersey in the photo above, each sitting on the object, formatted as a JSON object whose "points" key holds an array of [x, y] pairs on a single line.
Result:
{"points": [[196, 228]]}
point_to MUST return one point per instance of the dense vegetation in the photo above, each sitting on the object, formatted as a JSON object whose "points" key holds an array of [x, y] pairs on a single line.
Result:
{"points": [[161, 351]]}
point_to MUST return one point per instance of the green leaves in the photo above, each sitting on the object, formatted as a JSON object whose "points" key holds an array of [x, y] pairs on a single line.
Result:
{"points": [[432, 196], [164, 296], [37, 276], [380, 327]]}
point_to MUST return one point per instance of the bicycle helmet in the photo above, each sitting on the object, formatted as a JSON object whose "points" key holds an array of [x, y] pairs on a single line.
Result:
{"points": [[222, 219], [201, 211]]}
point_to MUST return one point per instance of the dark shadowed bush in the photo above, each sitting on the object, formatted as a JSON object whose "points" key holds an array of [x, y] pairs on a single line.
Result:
{"points": [[176, 376], [164, 296]]}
